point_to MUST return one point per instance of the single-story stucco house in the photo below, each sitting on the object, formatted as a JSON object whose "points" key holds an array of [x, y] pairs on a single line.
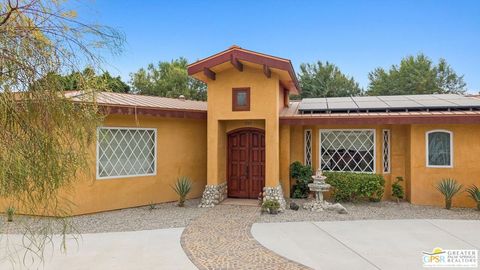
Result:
{"points": [[243, 139]]}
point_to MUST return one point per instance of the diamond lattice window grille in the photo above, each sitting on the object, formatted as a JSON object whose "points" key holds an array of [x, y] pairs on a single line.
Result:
{"points": [[347, 150], [386, 150], [126, 152], [308, 147]]}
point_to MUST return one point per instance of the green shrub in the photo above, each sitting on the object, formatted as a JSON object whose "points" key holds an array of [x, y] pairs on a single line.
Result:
{"points": [[474, 193], [182, 187], [348, 186], [302, 175], [397, 189], [271, 205], [448, 187]]}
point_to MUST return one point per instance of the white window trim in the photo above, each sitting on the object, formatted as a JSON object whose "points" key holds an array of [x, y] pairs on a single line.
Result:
{"points": [[125, 176], [389, 151], [427, 153], [351, 129], [305, 147]]}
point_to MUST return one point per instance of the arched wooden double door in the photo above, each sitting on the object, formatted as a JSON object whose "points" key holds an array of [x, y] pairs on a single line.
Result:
{"points": [[246, 163]]}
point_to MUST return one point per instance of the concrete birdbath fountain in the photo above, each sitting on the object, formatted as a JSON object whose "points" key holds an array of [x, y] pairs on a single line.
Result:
{"points": [[319, 186]]}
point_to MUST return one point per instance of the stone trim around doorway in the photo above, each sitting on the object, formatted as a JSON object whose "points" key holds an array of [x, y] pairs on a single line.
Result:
{"points": [[213, 195], [275, 193]]}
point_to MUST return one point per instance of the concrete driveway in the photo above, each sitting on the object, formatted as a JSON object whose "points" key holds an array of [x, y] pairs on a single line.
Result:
{"points": [[366, 244], [152, 249]]}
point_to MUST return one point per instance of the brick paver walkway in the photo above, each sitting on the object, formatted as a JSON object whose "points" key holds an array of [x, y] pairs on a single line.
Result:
{"points": [[221, 239]]}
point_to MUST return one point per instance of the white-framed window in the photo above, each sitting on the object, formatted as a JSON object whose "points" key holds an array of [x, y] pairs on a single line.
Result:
{"points": [[307, 140], [347, 150], [439, 144], [386, 150], [126, 152]]}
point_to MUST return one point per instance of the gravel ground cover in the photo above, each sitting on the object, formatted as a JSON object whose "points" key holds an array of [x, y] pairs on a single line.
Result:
{"points": [[165, 215], [372, 210], [168, 215]]}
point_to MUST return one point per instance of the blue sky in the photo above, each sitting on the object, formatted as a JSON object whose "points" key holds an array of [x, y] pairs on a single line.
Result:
{"points": [[357, 36]]}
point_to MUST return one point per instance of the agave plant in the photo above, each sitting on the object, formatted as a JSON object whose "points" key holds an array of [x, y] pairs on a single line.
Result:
{"points": [[474, 193], [448, 187], [182, 187]]}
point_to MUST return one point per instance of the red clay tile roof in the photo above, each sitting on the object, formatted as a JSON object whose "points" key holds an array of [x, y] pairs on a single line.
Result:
{"points": [[141, 101]]}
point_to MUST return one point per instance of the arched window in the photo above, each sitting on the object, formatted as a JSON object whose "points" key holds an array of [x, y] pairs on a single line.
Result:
{"points": [[439, 148]]}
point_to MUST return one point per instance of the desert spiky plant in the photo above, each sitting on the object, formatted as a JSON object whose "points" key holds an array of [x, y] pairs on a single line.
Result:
{"points": [[474, 193], [448, 187], [182, 187]]}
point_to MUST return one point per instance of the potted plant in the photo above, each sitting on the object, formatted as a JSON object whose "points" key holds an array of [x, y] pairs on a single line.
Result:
{"points": [[182, 187], [271, 206], [474, 193], [448, 187], [10, 212], [397, 189]]}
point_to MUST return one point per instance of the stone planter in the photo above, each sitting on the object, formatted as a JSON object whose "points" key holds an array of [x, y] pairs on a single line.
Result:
{"points": [[213, 195], [275, 193]]}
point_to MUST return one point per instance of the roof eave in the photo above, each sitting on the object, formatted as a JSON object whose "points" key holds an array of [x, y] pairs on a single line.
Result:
{"points": [[382, 119], [249, 56]]}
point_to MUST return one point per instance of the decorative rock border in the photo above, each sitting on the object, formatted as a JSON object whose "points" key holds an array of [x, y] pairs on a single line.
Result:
{"points": [[318, 206], [213, 195], [275, 193]]}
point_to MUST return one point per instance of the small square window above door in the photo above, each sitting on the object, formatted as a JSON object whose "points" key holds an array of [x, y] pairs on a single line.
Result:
{"points": [[241, 99]]}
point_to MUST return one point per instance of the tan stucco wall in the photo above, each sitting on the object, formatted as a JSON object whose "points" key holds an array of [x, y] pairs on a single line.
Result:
{"points": [[466, 169], [398, 150], [408, 159], [181, 151], [264, 113], [285, 153]]}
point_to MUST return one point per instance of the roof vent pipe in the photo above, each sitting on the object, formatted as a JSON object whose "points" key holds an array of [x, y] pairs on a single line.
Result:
{"points": [[181, 97]]}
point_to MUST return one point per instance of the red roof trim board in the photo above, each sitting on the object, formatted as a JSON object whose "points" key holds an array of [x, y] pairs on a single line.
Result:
{"points": [[238, 53]]}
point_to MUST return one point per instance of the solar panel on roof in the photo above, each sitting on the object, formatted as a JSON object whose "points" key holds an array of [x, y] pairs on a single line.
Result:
{"points": [[347, 105], [466, 102], [392, 98], [362, 99], [402, 104], [313, 106], [339, 99], [313, 100], [372, 105], [420, 97], [388, 103], [435, 103], [450, 96]]}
